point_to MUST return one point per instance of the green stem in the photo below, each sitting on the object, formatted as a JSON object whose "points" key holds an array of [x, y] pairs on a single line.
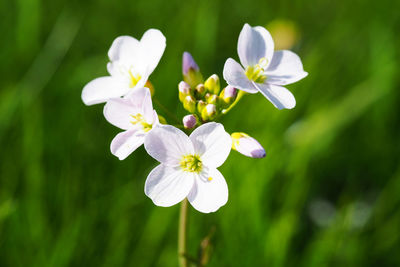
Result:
{"points": [[182, 231], [240, 95], [167, 112]]}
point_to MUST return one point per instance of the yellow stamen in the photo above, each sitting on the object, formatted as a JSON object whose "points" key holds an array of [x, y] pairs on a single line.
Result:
{"points": [[191, 163], [256, 73], [139, 119], [134, 79], [209, 179]]}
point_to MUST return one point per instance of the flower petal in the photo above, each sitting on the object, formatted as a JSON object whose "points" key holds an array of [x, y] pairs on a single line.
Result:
{"points": [[167, 186], [168, 145], [152, 46], [235, 76], [101, 89], [212, 143], [254, 43], [147, 105], [279, 96], [126, 142], [285, 68], [124, 49], [210, 191], [119, 111]]}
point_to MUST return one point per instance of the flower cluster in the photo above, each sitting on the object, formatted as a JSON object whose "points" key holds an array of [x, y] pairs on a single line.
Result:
{"points": [[189, 161]]}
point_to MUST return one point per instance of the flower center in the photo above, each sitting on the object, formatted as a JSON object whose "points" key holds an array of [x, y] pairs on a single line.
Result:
{"points": [[139, 119], [134, 79], [256, 73], [191, 163]]}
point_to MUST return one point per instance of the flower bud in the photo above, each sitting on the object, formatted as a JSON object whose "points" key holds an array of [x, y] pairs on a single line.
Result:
{"points": [[190, 70], [201, 105], [212, 99], [209, 112], [150, 86], [189, 104], [228, 96], [247, 145], [184, 90], [189, 121], [200, 91], [212, 84], [162, 120]]}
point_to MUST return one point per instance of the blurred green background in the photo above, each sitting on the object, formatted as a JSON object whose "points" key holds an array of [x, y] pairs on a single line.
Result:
{"points": [[327, 194]]}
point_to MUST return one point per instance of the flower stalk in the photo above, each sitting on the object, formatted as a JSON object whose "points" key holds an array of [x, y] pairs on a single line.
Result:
{"points": [[182, 234]]}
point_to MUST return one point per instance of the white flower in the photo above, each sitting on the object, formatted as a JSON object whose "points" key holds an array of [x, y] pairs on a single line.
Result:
{"points": [[264, 70], [136, 116], [131, 63], [188, 166]]}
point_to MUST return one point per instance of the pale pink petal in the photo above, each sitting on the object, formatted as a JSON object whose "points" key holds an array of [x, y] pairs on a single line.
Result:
{"points": [[235, 76], [126, 142], [212, 143], [102, 89], [279, 96], [285, 68], [168, 145], [167, 186], [209, 192]]}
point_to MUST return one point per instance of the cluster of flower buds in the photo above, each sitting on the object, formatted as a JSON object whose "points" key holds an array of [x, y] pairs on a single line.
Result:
{"points": [[203, 99]]}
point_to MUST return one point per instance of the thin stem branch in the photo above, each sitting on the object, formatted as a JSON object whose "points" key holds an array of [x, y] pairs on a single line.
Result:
{"points": [[167, 112], [182, 235], [238, 98]]}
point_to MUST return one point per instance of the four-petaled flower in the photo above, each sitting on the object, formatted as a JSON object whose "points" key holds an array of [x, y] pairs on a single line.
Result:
{"points": [[264, 71], [131, 63], [188, 166], [136, 116]]}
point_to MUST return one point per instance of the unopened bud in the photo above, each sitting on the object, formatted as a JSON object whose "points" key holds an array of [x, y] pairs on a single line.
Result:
{"points": [[189, 121], [184, 90], [209, 112], [191, 71], [201, 105], [150, 86], [162, 120], [212, 99], [228, 95], [189, 104], [247, 145], [200, 90], [212, 84]]}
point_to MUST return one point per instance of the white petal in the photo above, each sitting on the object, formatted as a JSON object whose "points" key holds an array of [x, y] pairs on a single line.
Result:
{"points": [[279, 96], [119, 111], [147, 105], [235, 76], [124, 49], [126, 142], [209, 192], [254, 43], [101, 89], [212, 143], [285, 68], [168, 145], [167, 186], [152, 45]]}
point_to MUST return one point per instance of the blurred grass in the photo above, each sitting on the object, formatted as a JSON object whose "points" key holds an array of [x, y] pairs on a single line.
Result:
{"points": [[327, 194]]}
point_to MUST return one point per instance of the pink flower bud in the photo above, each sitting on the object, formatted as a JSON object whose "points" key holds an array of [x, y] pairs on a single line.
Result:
{"points": [[188, 63], [247, 145], [230, 92], [189, 121], [184, 88]]}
